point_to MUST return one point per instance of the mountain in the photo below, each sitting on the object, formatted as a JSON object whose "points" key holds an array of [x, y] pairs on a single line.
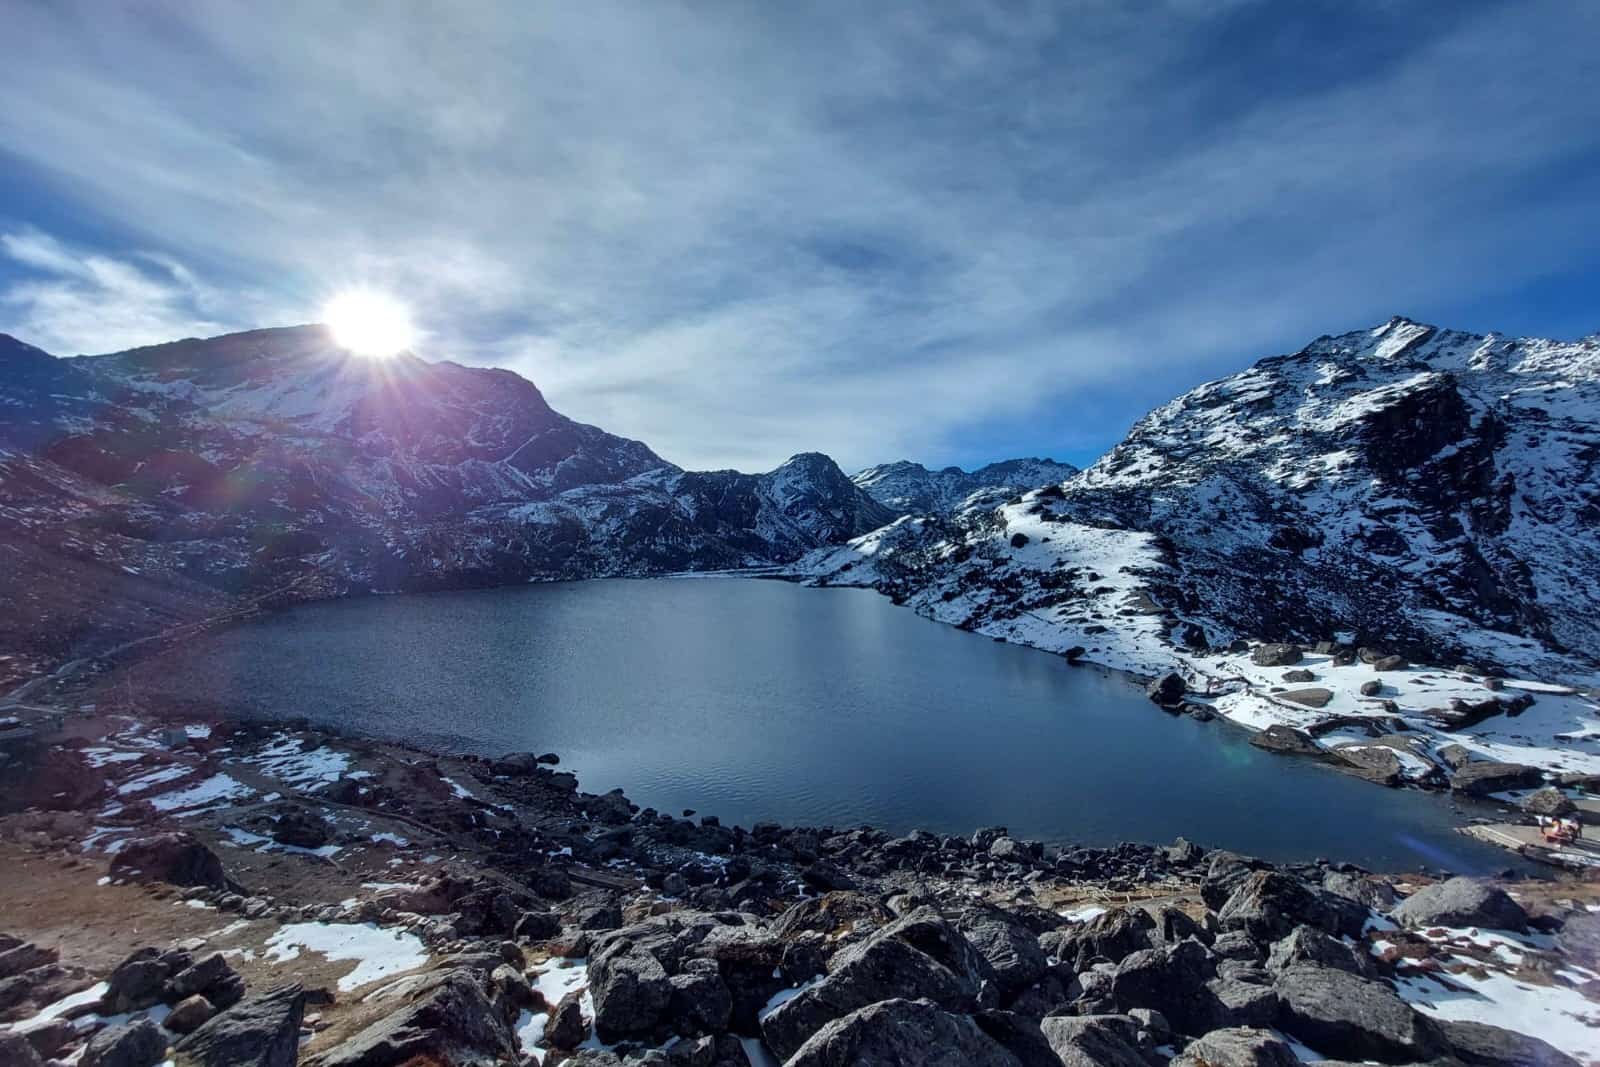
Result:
{"points": [[912, 489], [273, 460], [1425, 489]]}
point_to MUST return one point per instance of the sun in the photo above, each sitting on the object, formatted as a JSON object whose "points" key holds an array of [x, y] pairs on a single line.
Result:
{"points": [[369, 323]]}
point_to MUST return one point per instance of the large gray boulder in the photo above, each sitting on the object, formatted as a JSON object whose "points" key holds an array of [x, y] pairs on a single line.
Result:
{"points": [[177, 858], [1109, 936], [1306, 944], [1010, 948], [259, 1031], [631, 990], [1268, 905], [1225, 872], [1093, 1040], [1241, 1046], [1482, 1045], [140, 1044], [1480, 778], [448, 1018], [902, 1033], [1352, 1018], [920, 956], [1460, 902], [15, 1051], [1275, 655], [1171, 980]]}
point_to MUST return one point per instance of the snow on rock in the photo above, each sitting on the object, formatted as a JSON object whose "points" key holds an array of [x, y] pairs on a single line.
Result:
{"points": [[378, 952], [286, 760], [912, 489]]}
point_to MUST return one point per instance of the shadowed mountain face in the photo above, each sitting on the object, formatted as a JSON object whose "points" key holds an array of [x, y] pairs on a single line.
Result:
{"points": [[273, 459], [1420, 488]]}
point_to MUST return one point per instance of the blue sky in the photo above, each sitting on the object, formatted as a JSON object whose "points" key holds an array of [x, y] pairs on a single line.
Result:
{"points": [[948, 232]]}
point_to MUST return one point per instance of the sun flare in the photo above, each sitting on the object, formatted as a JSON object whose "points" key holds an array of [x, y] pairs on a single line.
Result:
{"points": [[369, 323]]}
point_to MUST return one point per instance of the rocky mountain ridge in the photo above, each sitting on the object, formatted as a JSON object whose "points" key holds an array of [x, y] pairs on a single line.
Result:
{"points": [[912, 489], [1419, 489], [272, 459]]}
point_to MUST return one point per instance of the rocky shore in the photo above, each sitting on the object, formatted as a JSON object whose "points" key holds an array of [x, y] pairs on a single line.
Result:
{"points": [[185, 887]]}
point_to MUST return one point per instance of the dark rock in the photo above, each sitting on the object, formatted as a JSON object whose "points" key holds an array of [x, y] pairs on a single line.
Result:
{"points": [[1460, 902], [1353, 1018], [918, 956], [1010, 948], [262, 1031], [176, 858], [1009, 850], [567, 1028], [301, 827], [1172, 980], [1375, 763], [902, 1033], [1306, 944], [630, 988], [1390, 663], [1225, 872], [1298, 676], [1278, 655], [1579, 938], [25, 957], [1167, 690], [1242, 1046], [449, 1019], [1109, 936], [137, 982], [207, 975], [1372, 687], [140, 1044], [1093, 1040], [599, 917], [1364, 889], [827, 876], [537, 925], [49, 1038], [15, 1051], [1269, 904], [1482, 1045], [700, 1002], [1315, 697], [1286, 739]]}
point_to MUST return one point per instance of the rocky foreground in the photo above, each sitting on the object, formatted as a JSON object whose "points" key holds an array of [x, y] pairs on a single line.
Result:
{"points": [[210, 892]]}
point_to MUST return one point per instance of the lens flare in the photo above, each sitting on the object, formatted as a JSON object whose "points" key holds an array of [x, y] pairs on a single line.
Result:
{"points": [[369, 323]]}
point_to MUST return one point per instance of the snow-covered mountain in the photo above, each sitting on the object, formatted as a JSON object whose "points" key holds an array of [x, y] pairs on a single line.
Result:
{"points": [[912, 489], [1433, 491], [271, 459]]}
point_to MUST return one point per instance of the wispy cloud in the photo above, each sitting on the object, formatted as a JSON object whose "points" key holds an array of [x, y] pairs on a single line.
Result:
{"points": [[737, 231]]}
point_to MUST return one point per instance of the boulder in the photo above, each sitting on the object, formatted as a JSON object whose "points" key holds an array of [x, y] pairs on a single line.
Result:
{"points": [[1482, 1045], [1460, 902], [1011, 949], [1167, 690], [137, 982], [919, 956], [537, 925], [189, 1014], [1372, 687], [1298, 676], [700, 1002], [1109, 936], [25, 957], [1241, 1046], [631, 990], [1352, 1018], [1171, 980], [140, 1044], [261, 1031], [1364, 889], [1375, 763], [1286, 739], [210, 975], [1547, 801], [177, 858], [1306, 944], [1275, 655], [1093, 1040], [567, 1028], [1390, 663], [1579, 938], [1225, 872], [1268, 905], [1314, 697], [15, 1051], [301, 827], [1480, 778], [449, 1019], [902, 1033]]}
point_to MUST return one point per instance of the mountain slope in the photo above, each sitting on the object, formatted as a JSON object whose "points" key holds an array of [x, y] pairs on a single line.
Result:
{"points": [[273, 459], [1424, 489], [912, 489]]}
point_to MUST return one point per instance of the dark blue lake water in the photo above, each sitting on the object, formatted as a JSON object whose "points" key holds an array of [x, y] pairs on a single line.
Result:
{"points": [[761, 700]]}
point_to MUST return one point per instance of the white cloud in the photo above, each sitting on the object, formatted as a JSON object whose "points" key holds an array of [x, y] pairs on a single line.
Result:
{"points": [[738, 232]]}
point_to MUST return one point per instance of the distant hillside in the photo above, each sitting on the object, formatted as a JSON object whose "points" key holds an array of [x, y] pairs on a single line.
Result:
{"points": [[912, 489]]}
